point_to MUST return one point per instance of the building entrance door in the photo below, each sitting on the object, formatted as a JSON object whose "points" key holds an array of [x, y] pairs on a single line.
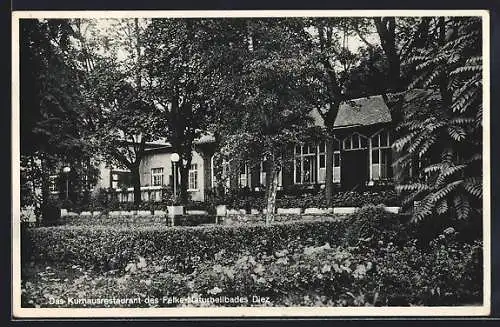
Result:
{"points": [[354, 167]]}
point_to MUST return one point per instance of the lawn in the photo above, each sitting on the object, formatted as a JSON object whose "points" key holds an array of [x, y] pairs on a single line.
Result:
{"points": [[324, 262]]}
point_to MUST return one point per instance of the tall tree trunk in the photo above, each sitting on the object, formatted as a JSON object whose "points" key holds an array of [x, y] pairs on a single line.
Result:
{"points": [[136, 182], [272, 188], [184, 173], [386, 30]]}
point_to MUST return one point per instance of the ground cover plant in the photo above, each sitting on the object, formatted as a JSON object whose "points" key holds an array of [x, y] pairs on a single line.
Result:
{"points": [[371, 258]]}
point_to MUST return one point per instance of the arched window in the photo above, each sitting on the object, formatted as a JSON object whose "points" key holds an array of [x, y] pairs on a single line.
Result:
{"points": [[355, 141], [381, 156]]}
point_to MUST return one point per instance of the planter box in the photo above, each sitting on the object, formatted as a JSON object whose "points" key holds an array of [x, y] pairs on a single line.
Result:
{"points": [[392, 209], [197, 212], [289, 211], [86, 213], [221, 210], [143, 213], [345, 210], [64, 212], [115, 213], [96, 213], [318, 211], [175, 211], [126, 213]]}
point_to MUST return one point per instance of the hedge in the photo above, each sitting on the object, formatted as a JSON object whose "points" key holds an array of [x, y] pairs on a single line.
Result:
{"points": [[369, 258], [245, 199], [109, 247]]}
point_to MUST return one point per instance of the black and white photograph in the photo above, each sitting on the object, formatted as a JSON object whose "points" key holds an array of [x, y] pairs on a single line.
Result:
{"points": [[265, 163]]}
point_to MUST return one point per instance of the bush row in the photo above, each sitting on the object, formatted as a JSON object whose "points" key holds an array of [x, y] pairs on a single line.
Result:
{"points": [[245, 199], [110, 247], [448, 273], [257, 200]]}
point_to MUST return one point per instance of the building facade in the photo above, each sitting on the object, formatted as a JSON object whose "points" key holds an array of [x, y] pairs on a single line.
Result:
{"points": [[362, 158]]}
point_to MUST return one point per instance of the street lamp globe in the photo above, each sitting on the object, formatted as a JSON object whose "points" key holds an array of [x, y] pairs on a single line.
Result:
{"points": [[175, 157], [66, 169]]}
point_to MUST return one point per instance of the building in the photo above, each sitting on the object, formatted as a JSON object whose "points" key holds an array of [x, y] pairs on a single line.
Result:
{"points": [[362, 158]]}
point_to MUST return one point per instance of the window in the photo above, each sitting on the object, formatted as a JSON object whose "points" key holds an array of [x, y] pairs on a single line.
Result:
{"points": [[263, 173], [114, 180], [322, 154], [305, 164], [244, 176], [381, 156], [355, 141], [157, 176], [53, 184], [193, 177], [322, 161]]}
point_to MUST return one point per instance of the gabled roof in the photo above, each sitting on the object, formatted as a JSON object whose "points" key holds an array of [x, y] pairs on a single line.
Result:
{"points": [[164, 144], [358, 112]]}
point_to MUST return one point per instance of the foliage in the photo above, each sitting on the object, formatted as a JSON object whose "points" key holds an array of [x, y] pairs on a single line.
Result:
{"points": [[291, 269], [440, 137], [301, 198], [271, 111], [372, 225], [52, 108], [105, 247], [124, 117]]}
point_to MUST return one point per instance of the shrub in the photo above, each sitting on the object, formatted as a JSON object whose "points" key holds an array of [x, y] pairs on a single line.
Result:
{"points": [[298, 197], [372, 225], [193, 220], [106, 247]]}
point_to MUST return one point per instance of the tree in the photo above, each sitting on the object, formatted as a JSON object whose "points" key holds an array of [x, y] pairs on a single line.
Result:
{"points": [[330, 48], [51, 105], [189, 62], [124, 117], [440, 137], [271, 113]]}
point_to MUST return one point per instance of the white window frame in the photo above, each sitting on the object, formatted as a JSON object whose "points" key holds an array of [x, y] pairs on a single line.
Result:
{"points": [[193, 172], [244, 179], [377, 167], [53, 185], [157, 172], [336, 169], [114, 180], [301, 156], [358, 146]]}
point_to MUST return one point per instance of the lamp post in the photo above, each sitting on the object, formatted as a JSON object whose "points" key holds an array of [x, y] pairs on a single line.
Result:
{"points": [[175, 158], [66, 171]]}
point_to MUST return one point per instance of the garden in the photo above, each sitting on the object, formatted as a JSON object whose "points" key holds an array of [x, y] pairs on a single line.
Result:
{"points": [[369, 258]]}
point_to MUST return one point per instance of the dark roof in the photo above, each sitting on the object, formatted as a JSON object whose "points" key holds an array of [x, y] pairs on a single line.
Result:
{"points": [[363, 111]]}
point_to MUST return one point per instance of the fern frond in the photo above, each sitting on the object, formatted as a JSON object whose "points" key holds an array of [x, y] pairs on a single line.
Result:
{"points": [[457, 133], [442, 207], [474, 187], [462, 206]]}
